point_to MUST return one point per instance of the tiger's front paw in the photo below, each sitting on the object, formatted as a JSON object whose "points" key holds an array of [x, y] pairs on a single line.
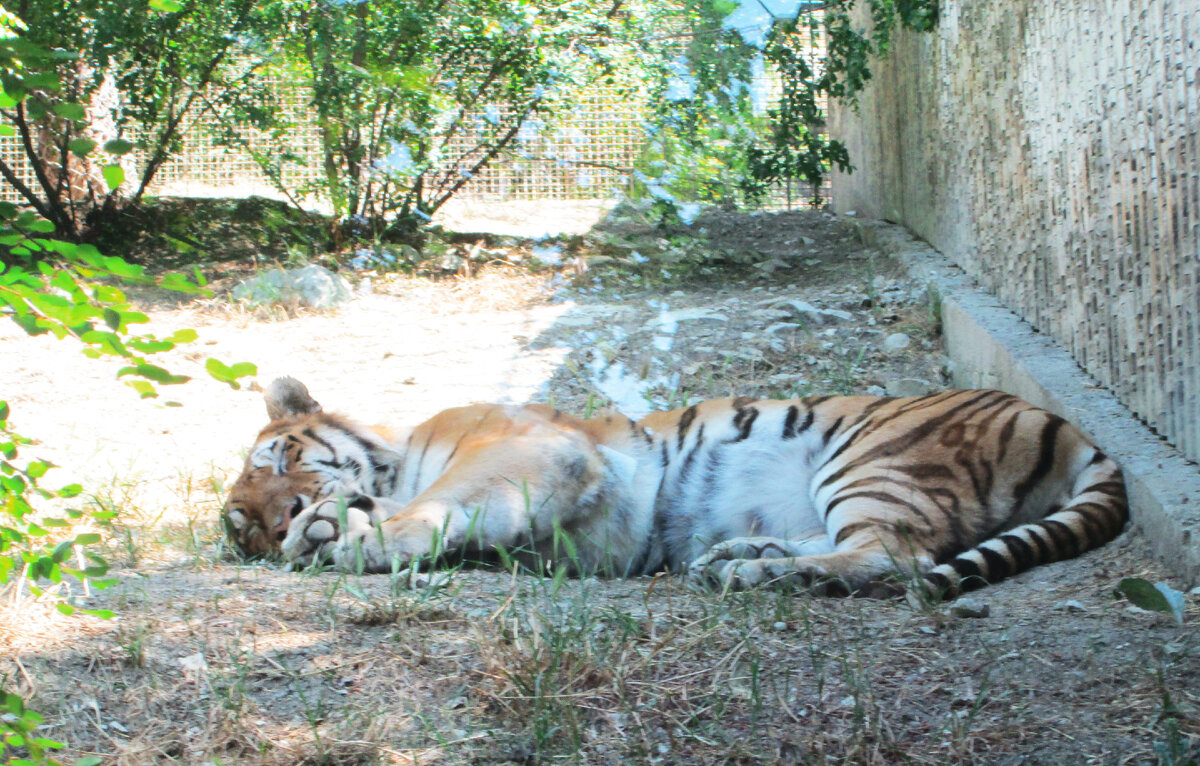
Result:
{"points": [[320, 531], [368, 550]]}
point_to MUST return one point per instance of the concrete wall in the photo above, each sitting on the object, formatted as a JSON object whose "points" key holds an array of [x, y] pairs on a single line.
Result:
{"points": [[1052, 150]]}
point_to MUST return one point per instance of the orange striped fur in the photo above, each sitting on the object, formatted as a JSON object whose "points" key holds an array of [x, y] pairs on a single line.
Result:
{"points": [[835, 494]]}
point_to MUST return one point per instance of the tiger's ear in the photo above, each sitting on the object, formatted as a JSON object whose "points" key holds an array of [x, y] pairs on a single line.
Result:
{"points": [[287, 397]]}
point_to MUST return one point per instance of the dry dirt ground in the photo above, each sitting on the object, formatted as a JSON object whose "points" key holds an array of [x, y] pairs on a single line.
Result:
{"points": [[215, 661]]}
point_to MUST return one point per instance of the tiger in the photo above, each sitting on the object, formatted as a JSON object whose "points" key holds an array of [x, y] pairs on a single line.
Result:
{"points": [[833, 494]]}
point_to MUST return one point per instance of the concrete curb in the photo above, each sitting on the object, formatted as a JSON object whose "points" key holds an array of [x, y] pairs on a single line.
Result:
{"points": [[991, 347]]}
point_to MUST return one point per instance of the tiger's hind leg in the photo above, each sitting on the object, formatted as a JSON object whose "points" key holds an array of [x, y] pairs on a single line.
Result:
{"points": [[866, 556], [837, 573]]}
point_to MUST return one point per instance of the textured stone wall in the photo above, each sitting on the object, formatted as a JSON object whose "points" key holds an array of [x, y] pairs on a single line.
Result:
{"points": [[1052, 150]]}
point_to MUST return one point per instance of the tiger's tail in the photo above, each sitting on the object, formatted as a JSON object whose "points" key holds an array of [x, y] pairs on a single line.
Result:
{"points": [[1095, 514]]}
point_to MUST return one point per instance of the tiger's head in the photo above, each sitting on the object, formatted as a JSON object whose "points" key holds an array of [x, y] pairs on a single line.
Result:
{"points": [[304, 455]]}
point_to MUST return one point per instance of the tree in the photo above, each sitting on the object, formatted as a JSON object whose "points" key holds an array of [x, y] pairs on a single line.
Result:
{"points": [[49, 285], [95, 80], [816, 52], [415, 97]]}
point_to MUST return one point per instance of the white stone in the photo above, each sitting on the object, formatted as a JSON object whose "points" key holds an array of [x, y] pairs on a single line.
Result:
{"points": [[909, 387], [895, 342], [312, 286]]}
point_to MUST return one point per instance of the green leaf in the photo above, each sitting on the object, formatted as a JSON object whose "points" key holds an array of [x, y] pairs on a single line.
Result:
{"points": [[69, 111], [71, 490], [229, 374], [114, 176], [108, 294], [1155, 597], [81, 147], [87, 538], [62, 550], [91, 760], [118, 146], [41, 226], [66, 609], [166, 6], [7, 130], [153, 372], [47, 81], [145, 390], [112, 318]]}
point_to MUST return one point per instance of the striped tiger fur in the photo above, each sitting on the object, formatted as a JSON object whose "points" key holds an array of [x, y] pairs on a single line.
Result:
{"points": [[835, 494]]}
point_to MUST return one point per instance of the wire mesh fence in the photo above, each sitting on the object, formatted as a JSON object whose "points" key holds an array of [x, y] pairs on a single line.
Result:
{"points": [[586, 152]]}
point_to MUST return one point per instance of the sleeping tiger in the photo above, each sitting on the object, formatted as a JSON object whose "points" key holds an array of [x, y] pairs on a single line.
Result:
{"points": [[835, 494]]}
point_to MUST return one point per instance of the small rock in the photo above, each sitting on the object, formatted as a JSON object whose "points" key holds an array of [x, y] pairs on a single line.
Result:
{"points": [[779, 626], [806, 309], [748, 354], [1071, 606], [970, 608], [897, 341], [311, 286], [781, 326], [909, 387], [876, 391]]}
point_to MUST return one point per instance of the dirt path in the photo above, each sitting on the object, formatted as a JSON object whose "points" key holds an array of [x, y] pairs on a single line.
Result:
{"points": [[210, 661]]}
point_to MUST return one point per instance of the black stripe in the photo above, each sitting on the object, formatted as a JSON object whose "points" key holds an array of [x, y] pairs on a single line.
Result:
{"points": [[829, 432], [1109, 487], [924, 471], [850, 529], [421, 459], [1064, 537], [1096, 529], [885, 497], [939, 582], [311, 434], [457, 444], [1006, 435], [1022, 554], [789, 422], [998, 566], [1044, 554], [966, 567], [910, 437], [688, 461], [1045, 460], [685, 422], [744, 422]]}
